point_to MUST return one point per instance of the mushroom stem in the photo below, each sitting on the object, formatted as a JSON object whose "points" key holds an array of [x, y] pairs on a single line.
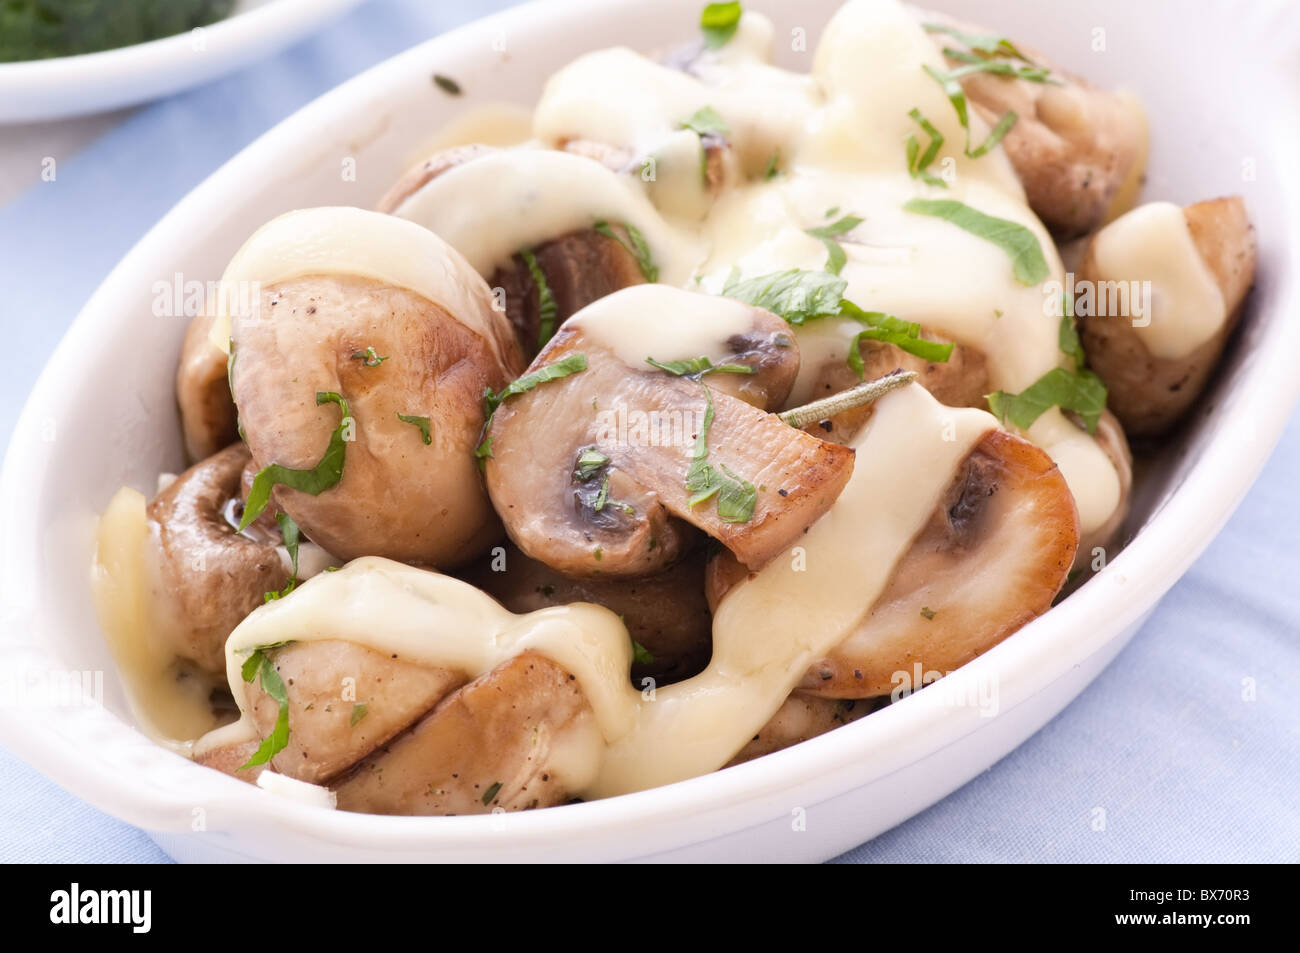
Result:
{"points": [[865, 393]]}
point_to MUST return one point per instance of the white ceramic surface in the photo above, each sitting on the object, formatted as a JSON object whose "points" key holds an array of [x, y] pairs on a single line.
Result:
{"points": [[93, 82], [103, 414]]}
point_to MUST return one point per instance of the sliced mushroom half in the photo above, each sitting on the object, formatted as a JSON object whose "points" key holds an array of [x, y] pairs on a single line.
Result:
{"points": [[590, 471], [993, 555]]}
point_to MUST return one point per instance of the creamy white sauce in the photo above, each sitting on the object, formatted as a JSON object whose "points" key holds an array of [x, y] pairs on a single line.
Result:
{"points": [[838, 135], [353, 241], [660, 321], [767, 631], [1153, 244], [532, 195]]}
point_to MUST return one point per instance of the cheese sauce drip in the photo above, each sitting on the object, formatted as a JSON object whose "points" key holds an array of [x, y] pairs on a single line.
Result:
{"points": [[767, 631], [1153, 243], [835, 139]]}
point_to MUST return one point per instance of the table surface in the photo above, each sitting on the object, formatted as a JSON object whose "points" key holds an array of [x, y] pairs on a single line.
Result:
{"points": [[1186, 762]]}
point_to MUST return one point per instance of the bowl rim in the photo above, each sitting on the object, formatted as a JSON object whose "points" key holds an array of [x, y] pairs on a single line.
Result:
{"points": [[1024, 665], [161, 64]]}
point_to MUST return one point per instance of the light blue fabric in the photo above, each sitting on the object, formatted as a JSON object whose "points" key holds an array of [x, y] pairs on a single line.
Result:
{"points": [[1163, 741]]}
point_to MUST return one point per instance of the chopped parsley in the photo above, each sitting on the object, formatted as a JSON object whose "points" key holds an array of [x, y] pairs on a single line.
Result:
{"points": [[640, 654], [446, 84], [325, 474], [927, 613], [718, 22], [698, 367], [773, 167], [491, 792], [369, 357], [919, 162], [544, 374], [952, 89], [736, 497], [420, 422], [290, 534], [799, 296], [705, 121], [636, 245], [828, 235], [547, 309], [359, 711], [590, 462], [1080, 391], [990, 44], [258, 665], [1021, 245]]}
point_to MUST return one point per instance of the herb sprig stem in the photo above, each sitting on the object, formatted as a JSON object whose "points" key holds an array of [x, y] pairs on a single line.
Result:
{"points": [[857, 396]]}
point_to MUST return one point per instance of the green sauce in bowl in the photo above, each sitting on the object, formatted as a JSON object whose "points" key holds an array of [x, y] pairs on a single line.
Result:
{"points": [[40, 29]]}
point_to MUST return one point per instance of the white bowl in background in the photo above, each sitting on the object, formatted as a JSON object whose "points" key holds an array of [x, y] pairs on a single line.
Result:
{"points": [[40, 90], [103, 415]]}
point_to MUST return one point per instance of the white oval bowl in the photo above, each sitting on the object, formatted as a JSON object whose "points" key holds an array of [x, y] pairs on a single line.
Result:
{"points": [[40, 90], [102, 415]]}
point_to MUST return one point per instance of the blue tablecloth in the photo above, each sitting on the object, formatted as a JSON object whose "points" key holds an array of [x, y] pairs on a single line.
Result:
{"points": [[1185, 768]]}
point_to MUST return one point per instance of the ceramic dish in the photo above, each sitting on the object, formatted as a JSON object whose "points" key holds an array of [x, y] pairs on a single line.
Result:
{"points": [[38, 90], [102, 416]]}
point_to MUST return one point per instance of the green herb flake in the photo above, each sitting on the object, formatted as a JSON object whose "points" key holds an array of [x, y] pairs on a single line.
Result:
{"points": [[547, 309], [718, 22], [828, 235], [446, 84], [636, 245], [795, 295], [290, 533], [980, 42], [422, 423], [736, 497], [927, 613], [315, 481], [698, 367], [705, 121], [544, 374], [1080, 391], [773, 167], [1067, 335], [1021, 245], [640, 654], [919, 162], [952, 89], [259, 665], [590, 462], [369, 357], [885, 327], [491, 792], [359, 711]]}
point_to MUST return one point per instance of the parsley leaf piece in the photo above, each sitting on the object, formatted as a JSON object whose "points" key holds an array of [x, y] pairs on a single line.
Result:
{"points": [[325, 474], [698, 367], [705, 121], [369, 357], [773, 167], [590, 462], [885, 327], [640, 654], [491, 792], [1080, 391], [718, 22], [289, 532], [795, 295], [636, 245], [827, 235], [736, 496], [1021, 245], [359, 711], [952, 89], [420, 422], [1067, 336], [446, 84], [989, 43], [259, 665], [544, 374], [919, 162], [547, 309]]}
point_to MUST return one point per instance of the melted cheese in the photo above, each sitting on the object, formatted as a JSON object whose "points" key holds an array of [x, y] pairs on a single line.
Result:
{"points": [[768, 629], [1153, 243], [352, 241], [837, 135]]}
